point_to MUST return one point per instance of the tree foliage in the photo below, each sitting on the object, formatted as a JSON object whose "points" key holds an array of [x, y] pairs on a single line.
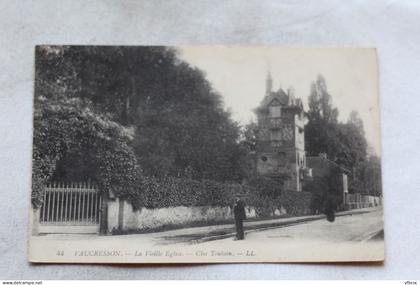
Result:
{"points": [[180, 125], [320, 103], [325, 189], [172, 192], [249, 136], [322, 126], [188, 132], [344, 143], [71, 143], [370, 176], [356, 121]]}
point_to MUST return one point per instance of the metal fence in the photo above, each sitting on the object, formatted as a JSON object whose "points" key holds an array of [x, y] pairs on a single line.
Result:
{"points": [[74, 204], [357, 201]]}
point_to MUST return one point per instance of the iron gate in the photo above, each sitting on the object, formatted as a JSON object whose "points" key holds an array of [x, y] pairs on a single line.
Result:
{"points": [[73, 208]]}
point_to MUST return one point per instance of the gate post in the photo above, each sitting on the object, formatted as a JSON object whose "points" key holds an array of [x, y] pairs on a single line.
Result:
{"points": [[120, 214], [103, 226], [35, 215]]}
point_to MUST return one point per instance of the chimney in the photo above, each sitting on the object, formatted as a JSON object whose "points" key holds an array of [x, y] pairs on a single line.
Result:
{"points": [[291, 94]]}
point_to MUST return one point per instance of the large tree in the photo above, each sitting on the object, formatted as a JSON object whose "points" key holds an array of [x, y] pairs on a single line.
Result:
{"points": [[344, 143], [320, 102], [186, 131], [321, 129], [181, 126]]}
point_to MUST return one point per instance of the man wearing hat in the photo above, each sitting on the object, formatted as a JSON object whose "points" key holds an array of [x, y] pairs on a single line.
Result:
{"points": [[239, 213]]}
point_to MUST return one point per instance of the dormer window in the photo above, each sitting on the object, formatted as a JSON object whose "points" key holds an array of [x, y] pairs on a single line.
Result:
{"points": [[275, 111]]}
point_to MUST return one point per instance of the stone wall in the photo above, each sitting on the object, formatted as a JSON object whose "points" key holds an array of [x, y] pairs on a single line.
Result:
{"points": [[112, 213], [121, 216], [358, 201]]}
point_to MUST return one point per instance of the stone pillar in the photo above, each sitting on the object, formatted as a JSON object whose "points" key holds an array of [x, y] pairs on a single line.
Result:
{"points": [[120, 214], [35, 213], [103, 227]]}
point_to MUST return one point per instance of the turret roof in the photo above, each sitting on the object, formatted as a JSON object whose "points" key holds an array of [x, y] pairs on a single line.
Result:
{"points": [[279, 95], [283, 98]]}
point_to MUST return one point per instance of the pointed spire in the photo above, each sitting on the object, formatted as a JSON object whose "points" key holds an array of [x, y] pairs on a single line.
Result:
{"points": [[268, 84]]}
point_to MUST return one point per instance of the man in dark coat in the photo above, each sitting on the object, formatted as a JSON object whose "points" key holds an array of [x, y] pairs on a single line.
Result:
{"points": [[239, 213], [330, 208]]}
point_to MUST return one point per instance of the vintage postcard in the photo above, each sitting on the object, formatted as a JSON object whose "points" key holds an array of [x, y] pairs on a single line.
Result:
{"points": [[205, 154]]}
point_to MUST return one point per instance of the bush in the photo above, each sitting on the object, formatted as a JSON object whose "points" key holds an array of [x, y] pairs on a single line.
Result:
{"points": [[267, 195], [323, 189], [295, 203], [68, 128], [172, 192]]}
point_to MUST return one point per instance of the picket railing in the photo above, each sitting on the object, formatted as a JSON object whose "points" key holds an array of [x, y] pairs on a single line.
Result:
{"points": [[70, 204], [357, 201]]}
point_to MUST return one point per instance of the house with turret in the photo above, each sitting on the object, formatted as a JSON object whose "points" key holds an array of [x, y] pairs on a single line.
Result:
{"points": [[280, 148]]}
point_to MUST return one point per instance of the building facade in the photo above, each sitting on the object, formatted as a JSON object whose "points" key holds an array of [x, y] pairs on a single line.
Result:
{"points": [[280, 148], [337, 175]]}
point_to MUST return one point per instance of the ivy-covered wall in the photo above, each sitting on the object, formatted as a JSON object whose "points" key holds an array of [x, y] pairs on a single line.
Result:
{"points": [[69, 128], [173, 192]]}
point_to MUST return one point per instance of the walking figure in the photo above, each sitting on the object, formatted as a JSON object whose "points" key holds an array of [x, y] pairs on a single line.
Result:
{"points": [[239, 213], [330, 208]]}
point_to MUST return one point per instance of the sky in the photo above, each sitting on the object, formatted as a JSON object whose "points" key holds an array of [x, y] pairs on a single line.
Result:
{"points": [[239, 75]]}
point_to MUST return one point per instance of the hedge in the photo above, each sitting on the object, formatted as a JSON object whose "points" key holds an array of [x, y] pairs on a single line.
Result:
{"points": [[172, 192]]}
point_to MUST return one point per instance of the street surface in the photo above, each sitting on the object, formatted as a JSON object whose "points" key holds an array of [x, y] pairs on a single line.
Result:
{"points": [[361, 227], [353, 236]]}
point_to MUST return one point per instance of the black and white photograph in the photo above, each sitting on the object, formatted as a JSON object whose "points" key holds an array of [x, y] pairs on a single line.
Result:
{"points": [[205, 154]]}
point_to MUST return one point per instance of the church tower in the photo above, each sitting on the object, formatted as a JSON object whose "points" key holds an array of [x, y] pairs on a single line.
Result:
{"points": [[280, 149]]}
